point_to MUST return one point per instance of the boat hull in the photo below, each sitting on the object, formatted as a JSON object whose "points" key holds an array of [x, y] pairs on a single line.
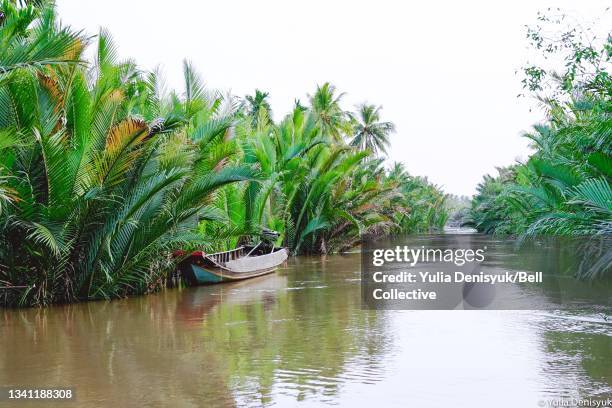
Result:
{"points": [[203, 276], [198, 271]]}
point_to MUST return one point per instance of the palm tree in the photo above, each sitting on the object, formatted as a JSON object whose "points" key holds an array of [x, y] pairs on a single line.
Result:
{"points": [[258, 109], [564, 188], [31, 40], [103, 174], [370, 133], [100, 192], [325, 106]]}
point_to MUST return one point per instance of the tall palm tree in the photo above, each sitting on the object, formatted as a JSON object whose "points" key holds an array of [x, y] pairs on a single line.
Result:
{"points": [[325, 106], [370, 133]]}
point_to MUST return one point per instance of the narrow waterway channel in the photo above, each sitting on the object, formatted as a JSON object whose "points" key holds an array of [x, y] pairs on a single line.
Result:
{"points": [[301, 335]]}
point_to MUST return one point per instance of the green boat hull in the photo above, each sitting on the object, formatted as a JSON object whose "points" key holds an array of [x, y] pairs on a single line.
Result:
{"points": [[202, 276], [203, 270]]}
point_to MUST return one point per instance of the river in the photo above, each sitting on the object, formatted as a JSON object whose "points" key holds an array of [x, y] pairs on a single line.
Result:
{"points": [[301, 336]]}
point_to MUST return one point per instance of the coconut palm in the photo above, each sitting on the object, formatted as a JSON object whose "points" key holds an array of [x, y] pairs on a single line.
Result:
{"points": [[325, 106], [369, 132]]}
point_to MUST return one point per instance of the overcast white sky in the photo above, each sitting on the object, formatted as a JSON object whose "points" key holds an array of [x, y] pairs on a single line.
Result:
{"points": [[444, 71]]}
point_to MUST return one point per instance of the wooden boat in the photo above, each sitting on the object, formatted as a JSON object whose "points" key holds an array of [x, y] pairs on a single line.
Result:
{"points": [[240, 263]]}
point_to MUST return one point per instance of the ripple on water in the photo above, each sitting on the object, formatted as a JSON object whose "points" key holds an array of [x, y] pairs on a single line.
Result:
{"points": [[271, 342]]}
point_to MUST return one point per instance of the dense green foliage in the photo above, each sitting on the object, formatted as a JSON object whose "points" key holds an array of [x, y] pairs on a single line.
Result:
{"points": [[321, 194], [100, 176], [565, 186], [103, 174]]}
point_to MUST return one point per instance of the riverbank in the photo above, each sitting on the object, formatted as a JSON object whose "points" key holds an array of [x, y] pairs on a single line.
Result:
{"points": [[104, 174]]}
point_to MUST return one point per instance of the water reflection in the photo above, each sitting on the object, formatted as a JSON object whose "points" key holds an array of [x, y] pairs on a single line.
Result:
{"points": [[290, 339], [300, 335]]}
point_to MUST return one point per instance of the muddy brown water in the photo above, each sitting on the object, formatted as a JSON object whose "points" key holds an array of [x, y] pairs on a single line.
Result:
{"points": [[300, 337]]}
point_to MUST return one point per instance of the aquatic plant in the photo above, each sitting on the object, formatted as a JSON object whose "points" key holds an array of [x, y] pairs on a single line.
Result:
{"points": [[100, 177], [322, 195]]}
